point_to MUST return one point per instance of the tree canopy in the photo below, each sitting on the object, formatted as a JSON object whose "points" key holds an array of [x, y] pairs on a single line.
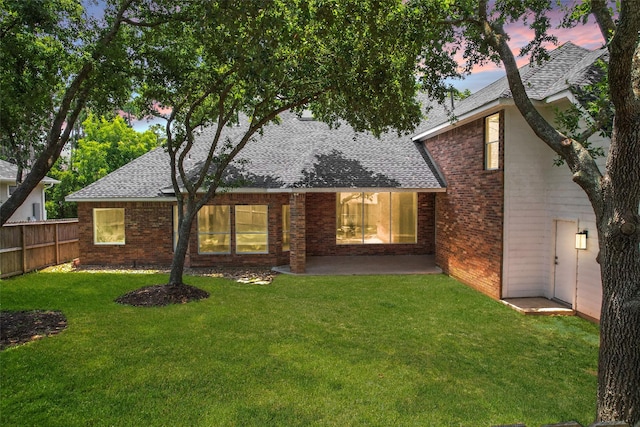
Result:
{"points": [[105, 146], [56, 60]]}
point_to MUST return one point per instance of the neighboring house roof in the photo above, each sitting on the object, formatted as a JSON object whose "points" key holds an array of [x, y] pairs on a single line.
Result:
{"points": [[9, 172], [295, 155], [568, 66]]}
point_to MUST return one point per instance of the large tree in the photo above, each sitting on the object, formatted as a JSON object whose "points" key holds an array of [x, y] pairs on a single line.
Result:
{"points": [[56, 59], [233, 67], [477, 29], [104, 146]]}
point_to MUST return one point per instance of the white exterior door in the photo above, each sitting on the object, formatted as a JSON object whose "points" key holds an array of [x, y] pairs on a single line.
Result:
{"points": [[566, 259]]}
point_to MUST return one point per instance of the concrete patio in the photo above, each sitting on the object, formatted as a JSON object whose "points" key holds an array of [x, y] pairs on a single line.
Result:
{"points": [[360, 265]]}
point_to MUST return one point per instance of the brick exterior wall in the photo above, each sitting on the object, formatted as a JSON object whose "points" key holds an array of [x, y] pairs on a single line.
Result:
{"points": [[298, 254], [321, 237], [469, 216], [149, 233]]}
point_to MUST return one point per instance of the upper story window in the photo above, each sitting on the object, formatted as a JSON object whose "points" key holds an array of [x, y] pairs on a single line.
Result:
{"points": [[108, 226], [492, 142], [12, 189], [370, 218]]}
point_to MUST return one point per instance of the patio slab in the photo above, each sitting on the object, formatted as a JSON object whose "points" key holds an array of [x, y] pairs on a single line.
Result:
{"points": [[363, 265], [539, 306]]}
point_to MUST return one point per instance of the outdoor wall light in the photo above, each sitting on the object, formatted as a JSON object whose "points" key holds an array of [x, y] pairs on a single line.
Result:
{"points": [[581, 240]]}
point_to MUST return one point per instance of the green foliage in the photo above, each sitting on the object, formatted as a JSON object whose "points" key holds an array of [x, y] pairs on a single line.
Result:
{"points": [[346, 59], [44, 45], [330, 351], [106, 146], [594, 114], [36, 37]]}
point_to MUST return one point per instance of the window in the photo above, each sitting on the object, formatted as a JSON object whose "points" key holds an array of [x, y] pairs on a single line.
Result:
{"points": [[175, 227], [108, 226], [251, 229], [286, 227], [492, 142], [214, 230], [12, 189], [370, 218]]}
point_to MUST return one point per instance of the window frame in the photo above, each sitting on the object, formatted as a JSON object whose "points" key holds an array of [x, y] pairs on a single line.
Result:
{"points": [[174, 226], [362, 216], [251, 233], [489, 143], [286, 228], [211, 233], [95, 226]]}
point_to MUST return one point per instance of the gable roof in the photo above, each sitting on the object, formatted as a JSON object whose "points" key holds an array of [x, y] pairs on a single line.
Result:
{"points": [[569, 65], [9, 172], [296, 155]]}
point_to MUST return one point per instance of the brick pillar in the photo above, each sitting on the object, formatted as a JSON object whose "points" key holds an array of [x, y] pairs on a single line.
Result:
{"points": [[298, 247]]}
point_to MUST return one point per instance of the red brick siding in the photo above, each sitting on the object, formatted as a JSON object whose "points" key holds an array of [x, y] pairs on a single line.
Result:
{"points": [[469, 216], [321, 230], [149, 233], [298, 254]]}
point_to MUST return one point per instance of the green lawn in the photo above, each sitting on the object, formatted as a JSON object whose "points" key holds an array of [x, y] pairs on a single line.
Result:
{"points": [[327, 351]]}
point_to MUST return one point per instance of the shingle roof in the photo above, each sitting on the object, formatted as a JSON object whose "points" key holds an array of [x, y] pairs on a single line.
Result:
{"points": [[295, 154], [9, 171], [568, 65]]}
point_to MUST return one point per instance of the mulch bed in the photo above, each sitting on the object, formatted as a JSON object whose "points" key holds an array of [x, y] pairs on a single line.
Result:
{"points": [[19, 327], [161, 295]]}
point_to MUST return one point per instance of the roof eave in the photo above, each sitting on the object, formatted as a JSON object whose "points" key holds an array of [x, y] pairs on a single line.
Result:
{"points": [[118, 199], [483, 110], [464, 118], [288, 190]]}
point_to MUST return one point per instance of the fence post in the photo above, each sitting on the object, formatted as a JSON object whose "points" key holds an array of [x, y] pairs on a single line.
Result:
{"points": [[57, 239], [24, 249]]}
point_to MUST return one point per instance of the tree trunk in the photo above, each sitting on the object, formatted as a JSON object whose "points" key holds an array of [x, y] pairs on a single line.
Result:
{"points": [[619, 234], [180, 253]]}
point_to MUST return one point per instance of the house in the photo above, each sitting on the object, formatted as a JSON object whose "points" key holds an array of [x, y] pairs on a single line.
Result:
{"points": [[33, 208], [309, 190], [508, 222], [480, 191]]}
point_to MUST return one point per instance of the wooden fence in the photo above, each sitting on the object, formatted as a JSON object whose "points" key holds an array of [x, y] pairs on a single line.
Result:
{"points": [[28, 246]]}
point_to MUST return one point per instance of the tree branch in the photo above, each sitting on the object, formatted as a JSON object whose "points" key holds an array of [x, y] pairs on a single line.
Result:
{"points": [[600, 11]]}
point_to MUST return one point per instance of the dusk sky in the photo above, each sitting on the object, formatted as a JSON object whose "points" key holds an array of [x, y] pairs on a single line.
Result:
{"points": [[587, 36]]}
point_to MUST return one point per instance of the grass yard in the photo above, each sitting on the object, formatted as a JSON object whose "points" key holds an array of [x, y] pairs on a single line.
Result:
{"points": [[325, 351]]}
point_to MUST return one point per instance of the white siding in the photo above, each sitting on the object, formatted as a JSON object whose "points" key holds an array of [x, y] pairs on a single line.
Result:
{"points": [[536, 194], [25, 211], [527, 231]]}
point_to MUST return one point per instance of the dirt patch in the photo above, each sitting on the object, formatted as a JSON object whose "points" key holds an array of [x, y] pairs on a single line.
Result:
{"points": [[161, 295], [19, 327]]}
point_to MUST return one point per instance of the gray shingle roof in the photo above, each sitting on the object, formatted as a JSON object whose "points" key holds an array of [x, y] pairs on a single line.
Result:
{"points": [[569, 65], [295, 154], [9, 171]]}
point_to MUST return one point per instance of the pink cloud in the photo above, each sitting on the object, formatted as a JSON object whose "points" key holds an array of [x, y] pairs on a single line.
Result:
{"points": [[587, 36]]}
